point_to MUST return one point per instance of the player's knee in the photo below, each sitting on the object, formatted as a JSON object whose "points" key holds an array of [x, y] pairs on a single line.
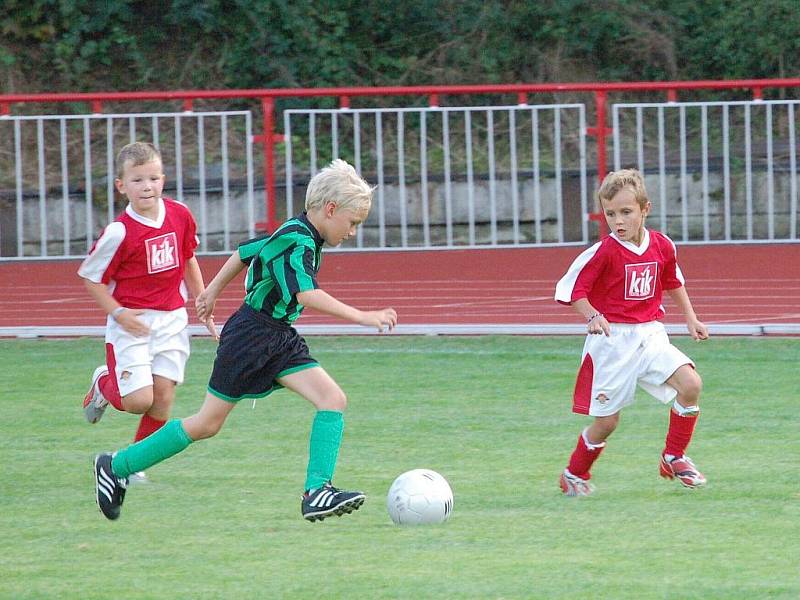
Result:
{"points": [[335, 400], [203, 429], [138, 402], [693, 387]]}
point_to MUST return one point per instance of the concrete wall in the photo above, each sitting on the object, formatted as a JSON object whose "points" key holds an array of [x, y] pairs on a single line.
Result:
{"points": [[237, 222]]}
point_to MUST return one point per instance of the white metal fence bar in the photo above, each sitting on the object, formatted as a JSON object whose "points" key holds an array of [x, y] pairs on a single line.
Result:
{"points": [[470, 174], [65, 212], [770, 181], [748, 149], [704, 159], [454, 176], [423, 159], [381, 191], [557, 173], [537, 194], [724, 171], [448, 182], [401, 177], [793, 174], [55, 170]]}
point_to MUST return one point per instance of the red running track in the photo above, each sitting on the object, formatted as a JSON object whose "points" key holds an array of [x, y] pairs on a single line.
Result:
{"points": [[728, 284]]}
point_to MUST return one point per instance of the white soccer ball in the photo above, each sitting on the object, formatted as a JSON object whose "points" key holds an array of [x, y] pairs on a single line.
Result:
{"points": [[419, 497]]}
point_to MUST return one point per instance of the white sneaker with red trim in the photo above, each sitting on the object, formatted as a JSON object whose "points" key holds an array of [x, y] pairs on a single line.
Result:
{"points": [[94, 403], [683, 469], [572, 485]]}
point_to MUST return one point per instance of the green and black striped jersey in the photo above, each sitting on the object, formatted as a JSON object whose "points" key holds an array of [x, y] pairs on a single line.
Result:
{"points": [[280, 266]]}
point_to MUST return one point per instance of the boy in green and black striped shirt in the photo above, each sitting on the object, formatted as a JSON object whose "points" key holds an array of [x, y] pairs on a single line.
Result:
{"points": [[259, 350]]}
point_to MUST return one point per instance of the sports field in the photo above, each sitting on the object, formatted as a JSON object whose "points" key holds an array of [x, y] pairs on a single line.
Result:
{"points": [[491, 414]]}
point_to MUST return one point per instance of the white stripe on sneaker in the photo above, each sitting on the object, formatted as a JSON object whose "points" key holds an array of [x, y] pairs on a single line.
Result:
{"points": [[105, 485], [324, 499], [103, 488]]}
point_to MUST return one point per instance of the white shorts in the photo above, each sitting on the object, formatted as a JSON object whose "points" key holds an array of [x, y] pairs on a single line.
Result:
{"points": [[612, 366], [136, 359]]}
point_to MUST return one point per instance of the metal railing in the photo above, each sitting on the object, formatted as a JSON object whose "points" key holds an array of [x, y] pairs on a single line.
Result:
{"points": [[266, 215], [455, 176], [716, 171], [57, 185]]}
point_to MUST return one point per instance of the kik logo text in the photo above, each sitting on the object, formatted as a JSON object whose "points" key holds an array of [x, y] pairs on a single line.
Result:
{"points": [[162, 253], [640, 280]]}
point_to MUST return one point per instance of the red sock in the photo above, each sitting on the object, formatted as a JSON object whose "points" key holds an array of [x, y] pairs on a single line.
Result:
{"points": [[583, 457], [680, 433], [108, 383], [147, 425], [110, 390]]}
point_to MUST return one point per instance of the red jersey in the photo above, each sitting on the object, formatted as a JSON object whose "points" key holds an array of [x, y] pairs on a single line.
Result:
{"points": [[623, 281], [143, 260]]}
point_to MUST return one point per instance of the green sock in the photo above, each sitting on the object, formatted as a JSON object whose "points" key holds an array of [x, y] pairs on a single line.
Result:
{"points": [[326, 437], [166, 442]]}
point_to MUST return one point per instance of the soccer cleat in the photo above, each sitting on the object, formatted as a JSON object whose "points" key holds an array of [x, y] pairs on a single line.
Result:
{"points": [[110, 489], [328, 500], [681, 468], [574, 486], [138, 478], [94, 404]]}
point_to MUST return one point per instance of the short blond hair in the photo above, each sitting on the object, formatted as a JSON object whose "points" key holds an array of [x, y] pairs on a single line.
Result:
{"points": [[135, 154], [339, 183], [616, 181]]}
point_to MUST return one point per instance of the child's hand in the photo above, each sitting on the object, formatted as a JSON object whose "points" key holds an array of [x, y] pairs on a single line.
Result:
{"points": [[598, 325], [697, 329], [204, 305], [212, 327], [379, 318], [128, 320]]}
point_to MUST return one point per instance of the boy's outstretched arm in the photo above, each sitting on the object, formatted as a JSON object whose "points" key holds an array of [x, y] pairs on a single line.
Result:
{"points": [[324, 302], [204, 303], [193, 277], [697, 329]]}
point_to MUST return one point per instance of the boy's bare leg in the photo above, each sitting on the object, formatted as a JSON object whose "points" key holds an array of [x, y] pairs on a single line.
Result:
{"points": [[209, 419], [321, 499], [315, 385], [112, 470]]}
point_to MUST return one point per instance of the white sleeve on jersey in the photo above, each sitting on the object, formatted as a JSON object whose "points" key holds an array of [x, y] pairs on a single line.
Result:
{"points": [[678, 272], [94, 266], [566, 284]]}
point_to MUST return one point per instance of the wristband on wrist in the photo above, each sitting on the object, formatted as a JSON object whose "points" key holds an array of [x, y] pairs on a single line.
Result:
{"points": [[117, 312], [593, 317]]}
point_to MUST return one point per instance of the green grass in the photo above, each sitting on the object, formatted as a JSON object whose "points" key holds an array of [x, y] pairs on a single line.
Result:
{"points": [[492, 414]]}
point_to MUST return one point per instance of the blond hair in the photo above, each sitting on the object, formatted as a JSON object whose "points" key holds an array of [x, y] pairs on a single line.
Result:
{"points": [[135, 154], [616, 181], [339, 183]]}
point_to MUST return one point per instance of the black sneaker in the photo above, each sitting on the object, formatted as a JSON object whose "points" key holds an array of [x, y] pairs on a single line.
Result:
{"points": [[328, 500], [110, 488]]}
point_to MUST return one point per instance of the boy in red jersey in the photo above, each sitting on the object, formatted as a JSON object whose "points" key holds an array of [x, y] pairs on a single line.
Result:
{"points": [[138, 272], [617, 286]]}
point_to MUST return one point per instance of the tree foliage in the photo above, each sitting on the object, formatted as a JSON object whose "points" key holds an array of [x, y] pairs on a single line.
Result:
{"points": [[83, 45]]}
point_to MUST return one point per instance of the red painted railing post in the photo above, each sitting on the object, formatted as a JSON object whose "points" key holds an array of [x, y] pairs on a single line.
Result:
{"points": [[268, 109], [600, 132]]}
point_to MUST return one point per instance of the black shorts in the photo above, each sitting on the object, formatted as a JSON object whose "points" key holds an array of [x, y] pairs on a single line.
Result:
{"points": [[255, 350]]}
